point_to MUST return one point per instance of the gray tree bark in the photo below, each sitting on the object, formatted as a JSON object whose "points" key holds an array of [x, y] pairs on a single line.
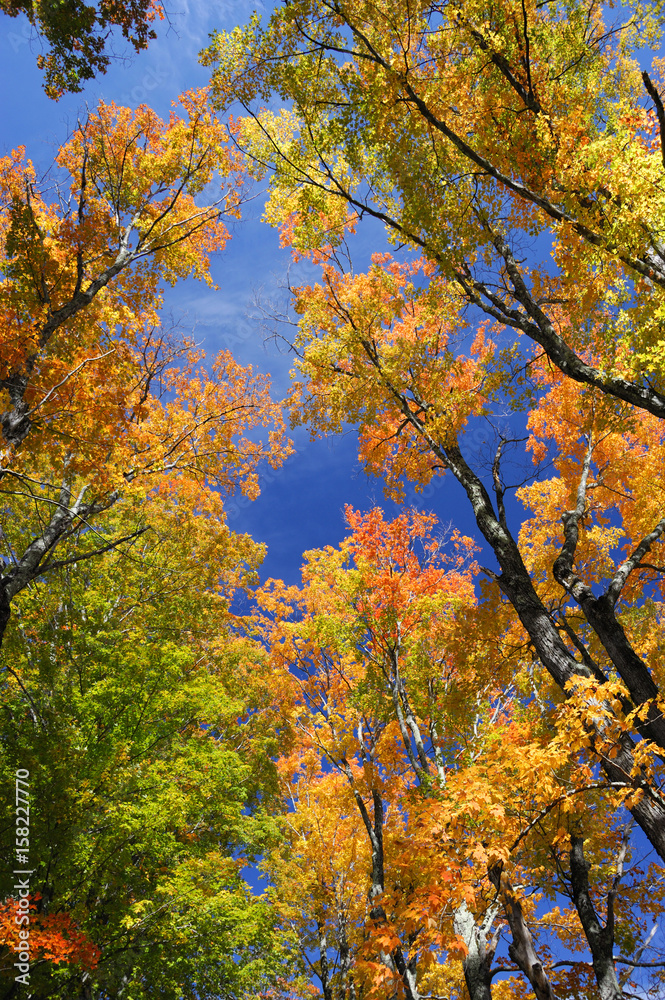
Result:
{"points": [[601, 939]]}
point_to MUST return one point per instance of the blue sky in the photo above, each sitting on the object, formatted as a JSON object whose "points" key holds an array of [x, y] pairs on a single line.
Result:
{"points": [[301, 506]]}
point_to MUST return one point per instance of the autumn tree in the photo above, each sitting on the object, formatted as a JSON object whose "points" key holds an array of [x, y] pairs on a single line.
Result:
{"points": [[77, 35], [514, 152], [102, 404], [419, 852], [127, 694]]}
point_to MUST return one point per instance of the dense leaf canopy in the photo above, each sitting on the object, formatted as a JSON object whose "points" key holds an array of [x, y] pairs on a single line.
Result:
{"points": [[514, 153], [444, 753]]}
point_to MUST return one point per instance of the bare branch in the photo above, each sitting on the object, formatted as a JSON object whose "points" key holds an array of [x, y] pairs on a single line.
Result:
{"points": [[563, 565], [633, 561], [498, 485], [81, 556]]}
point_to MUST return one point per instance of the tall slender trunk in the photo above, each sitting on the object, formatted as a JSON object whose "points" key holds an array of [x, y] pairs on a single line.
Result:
{"points": [[481, 945], [601, 939]]}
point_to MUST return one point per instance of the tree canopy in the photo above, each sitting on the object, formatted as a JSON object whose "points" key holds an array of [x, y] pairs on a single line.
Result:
{"points": [[125, 679], [511, 341], [444, 751]]}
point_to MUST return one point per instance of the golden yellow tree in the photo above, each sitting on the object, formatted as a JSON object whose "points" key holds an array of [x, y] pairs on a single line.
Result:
{"points": [[514, 151]]}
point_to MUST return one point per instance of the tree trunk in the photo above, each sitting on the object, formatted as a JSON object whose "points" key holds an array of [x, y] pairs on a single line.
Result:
{"points": [[601, 939], [521, 949], [480, 950]]}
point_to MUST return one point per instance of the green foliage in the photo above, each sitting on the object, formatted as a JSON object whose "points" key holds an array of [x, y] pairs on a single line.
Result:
{"points": [[76, 35], [150, 779]]}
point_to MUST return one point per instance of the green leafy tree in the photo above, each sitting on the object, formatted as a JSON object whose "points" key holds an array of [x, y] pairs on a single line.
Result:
{"points": [[136, 712], [76, 35]]}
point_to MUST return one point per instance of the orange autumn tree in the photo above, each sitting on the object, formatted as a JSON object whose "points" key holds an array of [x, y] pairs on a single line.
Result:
{"points": [[514, 153], [400, 371], [420, 854], [100, 403]]}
